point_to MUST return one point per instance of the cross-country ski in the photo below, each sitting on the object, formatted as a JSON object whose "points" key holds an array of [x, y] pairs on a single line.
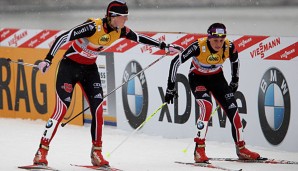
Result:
{"points": [[207, 165], [101, 168], [260, 160], [37, 168]]}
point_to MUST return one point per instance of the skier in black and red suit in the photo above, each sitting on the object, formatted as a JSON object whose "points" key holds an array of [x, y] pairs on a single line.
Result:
{"points": [[206, 78], [78, 67]]}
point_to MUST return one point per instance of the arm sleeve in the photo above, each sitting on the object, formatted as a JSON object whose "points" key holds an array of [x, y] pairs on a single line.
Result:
{"points": [[140, 38], [191, 51], [86, 29], [235, 64]]}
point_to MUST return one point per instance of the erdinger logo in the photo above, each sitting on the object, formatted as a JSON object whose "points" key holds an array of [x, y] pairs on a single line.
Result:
{"points": [[274, 106], [135, 94], [104, 39], [213, 59]]}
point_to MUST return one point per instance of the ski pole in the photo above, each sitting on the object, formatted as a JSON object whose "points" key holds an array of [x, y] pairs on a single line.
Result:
{"points": [[147, 120], [154, 62], [185, 149], [21, 63]]}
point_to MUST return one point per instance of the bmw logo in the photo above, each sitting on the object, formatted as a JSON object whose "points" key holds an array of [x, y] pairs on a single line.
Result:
{"points": [[274, 105], [200, 125], [135, 94], [49, 123]]}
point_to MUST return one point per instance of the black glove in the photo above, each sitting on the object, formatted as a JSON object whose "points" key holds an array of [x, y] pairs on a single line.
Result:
{"points": [[170, 95], [234, 84]]}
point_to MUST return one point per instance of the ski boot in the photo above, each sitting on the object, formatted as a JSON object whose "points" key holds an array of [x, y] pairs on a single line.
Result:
{"points": [[199, 152], [97, 158], [40, 157], [245, 154]]}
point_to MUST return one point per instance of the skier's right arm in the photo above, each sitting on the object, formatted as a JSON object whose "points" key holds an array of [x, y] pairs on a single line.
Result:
{"points": [[190, 51], [86, 29]]}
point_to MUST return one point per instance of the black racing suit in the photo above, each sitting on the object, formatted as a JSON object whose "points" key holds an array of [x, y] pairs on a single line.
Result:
{"points": [[79, 66], [206, 78]]}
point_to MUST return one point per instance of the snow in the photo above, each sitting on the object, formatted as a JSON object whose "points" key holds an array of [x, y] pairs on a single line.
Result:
{"points": [[20, 139]]}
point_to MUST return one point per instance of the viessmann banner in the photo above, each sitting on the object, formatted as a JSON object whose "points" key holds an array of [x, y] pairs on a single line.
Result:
{"points": [[265, 97]]}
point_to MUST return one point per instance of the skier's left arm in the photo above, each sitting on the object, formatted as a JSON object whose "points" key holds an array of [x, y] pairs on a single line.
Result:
{"points": [[235, 64], [140, 38]]}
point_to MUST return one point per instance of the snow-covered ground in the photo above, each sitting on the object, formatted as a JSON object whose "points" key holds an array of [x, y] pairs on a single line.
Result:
{"points": [[20, 138]]}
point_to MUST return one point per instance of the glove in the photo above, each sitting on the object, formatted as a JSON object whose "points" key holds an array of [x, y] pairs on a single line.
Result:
{"points": [[234, 84], [44, 65], [171, 95], [171, 48]]}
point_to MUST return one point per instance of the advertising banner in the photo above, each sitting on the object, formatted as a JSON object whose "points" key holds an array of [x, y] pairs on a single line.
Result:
{"points": [[24, 91]]}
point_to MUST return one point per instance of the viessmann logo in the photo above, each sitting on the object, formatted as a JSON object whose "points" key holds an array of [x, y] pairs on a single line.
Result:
{"points": [[135, 94], [274, 106]]}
